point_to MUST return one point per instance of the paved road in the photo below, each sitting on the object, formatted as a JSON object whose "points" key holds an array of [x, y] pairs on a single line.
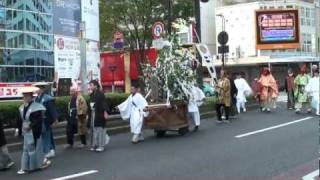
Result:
{"points": [[257, 146]]}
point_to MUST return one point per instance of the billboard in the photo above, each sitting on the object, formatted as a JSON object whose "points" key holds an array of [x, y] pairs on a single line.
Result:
{"points": [[67, 57], [67, 17], [90, 15], [277, 29]]}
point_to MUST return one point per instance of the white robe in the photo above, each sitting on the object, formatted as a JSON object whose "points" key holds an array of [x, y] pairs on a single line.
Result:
{"points": [[243, 88], [132, 109], [196, 99], [313, 89]]}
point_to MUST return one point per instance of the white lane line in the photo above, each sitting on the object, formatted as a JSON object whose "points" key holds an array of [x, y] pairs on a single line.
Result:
{"points": [[76, 175], [311, 176], [272, 127]]}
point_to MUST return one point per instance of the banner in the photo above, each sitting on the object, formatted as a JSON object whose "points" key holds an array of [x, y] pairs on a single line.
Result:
{"points": [[67, 17], [90, 15], [67, 57], [93, 60], [12, 90]]}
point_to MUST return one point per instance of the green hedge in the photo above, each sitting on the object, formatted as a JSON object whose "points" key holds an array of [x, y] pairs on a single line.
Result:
{"points": [[9, 110]]}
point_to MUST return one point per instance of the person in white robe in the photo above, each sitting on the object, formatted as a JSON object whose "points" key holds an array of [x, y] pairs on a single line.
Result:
{"points": [[313, 90], [244, 90], [132, 109], [196, 99]]}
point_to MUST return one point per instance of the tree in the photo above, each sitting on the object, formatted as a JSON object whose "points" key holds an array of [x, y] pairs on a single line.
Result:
{"points": [[135, 19]]}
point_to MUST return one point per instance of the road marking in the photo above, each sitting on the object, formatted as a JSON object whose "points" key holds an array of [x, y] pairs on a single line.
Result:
{"points": [[272, 127], [76, 175], [311, 176]]}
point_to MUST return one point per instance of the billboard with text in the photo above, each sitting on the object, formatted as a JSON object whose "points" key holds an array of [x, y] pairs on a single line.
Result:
{"points": [[277, 29], [67, 17]]}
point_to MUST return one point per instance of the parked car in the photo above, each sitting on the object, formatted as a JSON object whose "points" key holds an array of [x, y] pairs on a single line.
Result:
{"points": [[208, 90]]}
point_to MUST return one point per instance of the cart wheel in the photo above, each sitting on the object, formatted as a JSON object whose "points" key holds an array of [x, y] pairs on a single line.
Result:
{"points": [[183, 131], [160, 133]]}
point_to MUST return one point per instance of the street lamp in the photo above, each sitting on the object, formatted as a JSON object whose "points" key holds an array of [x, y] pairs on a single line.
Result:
{"points": [[113, 68], [223, 38]]}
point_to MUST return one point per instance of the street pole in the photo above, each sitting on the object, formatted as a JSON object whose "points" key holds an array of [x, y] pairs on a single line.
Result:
{"points": [[198, 29], [169, 3], [223, 46], [83, 65]]}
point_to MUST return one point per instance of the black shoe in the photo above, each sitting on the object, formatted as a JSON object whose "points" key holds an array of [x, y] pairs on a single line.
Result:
{"points": [[196, 129]]}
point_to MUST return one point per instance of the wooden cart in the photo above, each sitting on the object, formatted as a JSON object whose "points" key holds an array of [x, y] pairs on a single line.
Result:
{"points": [[162, 118]]}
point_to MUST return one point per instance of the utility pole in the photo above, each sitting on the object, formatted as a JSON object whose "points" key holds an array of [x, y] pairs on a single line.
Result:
{"points": [[83, 57], [198, 30], [169, 4]]}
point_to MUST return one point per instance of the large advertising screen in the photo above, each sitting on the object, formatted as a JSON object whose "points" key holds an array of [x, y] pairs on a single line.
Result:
{"points": [[67, 17], [277, 29]]}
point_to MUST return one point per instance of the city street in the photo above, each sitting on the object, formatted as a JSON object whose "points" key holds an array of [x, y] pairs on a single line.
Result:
{"points": [[256, 146]]}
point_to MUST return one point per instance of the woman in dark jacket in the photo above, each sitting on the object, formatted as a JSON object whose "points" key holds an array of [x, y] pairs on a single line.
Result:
{"points": [[98, 115], [5, 159]]}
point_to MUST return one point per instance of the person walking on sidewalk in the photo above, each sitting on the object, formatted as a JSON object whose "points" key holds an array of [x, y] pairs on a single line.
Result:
{"points": [[300, 94], [77, 122], [51, 117], [5, 159], [289, 87], [31, 117], [98, 114], [269, 89], [223, 97]]}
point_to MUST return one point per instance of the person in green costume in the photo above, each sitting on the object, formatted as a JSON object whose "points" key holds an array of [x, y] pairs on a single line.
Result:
{"points": [[300, 94]]}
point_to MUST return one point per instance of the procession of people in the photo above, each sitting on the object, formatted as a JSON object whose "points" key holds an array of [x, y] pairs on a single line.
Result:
{"points": [[38, 114]]}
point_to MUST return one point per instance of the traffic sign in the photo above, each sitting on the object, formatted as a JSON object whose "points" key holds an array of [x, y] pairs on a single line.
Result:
{"points": [[157, 30], [223, 49], [223, 38]]}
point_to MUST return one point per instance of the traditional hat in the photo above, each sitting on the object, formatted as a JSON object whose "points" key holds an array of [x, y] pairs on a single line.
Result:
{"points": [[40, 84], [28, 90]]}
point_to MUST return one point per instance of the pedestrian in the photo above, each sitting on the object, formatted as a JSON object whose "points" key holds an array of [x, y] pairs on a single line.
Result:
{"points": [[98, 112], [133, 109], [77, 122], [300, 94], [196, 99], [223, 97], [32, 116], [244, 90], [51, 118], [313, 89], [256, 87], [289, 87], [5, 158], [233, 95], [269, 89]]}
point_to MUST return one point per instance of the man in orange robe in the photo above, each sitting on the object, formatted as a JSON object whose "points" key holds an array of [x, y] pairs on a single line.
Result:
{"points": [[269, 89]]}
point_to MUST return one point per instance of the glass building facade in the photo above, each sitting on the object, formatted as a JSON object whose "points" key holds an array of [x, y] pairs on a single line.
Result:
{"points": [[26, 41]]}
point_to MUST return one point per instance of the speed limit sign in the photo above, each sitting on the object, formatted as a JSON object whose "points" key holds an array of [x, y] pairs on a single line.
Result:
{"points": [[157, 30]]}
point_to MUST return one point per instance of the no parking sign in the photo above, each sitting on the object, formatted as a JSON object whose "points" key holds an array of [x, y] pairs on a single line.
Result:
{"points": [[157, 30]]}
